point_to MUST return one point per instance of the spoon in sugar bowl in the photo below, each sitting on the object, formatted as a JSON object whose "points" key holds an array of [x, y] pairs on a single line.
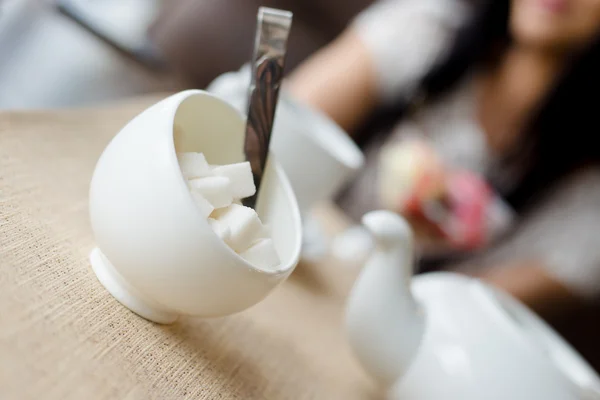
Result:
{"points": [[156, 252], [268, 61]]}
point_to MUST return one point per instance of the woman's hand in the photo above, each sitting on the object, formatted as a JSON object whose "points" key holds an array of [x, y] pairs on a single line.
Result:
{"points": [[429, 238], [412, 182], [447, 207]]}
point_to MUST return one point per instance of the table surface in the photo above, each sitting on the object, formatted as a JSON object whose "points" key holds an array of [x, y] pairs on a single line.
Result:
{"points": [[62, 336]]}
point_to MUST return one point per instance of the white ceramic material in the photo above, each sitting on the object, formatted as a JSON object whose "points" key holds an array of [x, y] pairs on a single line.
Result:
{"points": [[444, 336], [318, 157], [156, 253]]}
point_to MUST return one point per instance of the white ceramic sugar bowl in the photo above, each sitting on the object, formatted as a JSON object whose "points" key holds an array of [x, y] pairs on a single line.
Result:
{"points": [[155, 252], [444, 336]]}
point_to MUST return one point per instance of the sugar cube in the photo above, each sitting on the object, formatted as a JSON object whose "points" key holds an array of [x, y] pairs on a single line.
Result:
{"points": [[240, 176], [220, 228], [262, 255], [203, 205], [193, 165], [244, 224], [215, 189]]}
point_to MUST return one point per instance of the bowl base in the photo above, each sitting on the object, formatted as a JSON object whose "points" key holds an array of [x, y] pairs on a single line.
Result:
{"points": [[124, 292]]}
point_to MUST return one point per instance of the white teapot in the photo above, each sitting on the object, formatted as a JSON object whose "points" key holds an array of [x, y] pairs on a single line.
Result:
{"points": [[444, 336]]}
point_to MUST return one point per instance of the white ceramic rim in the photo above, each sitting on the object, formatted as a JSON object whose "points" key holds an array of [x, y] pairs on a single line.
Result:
{"points": [[283, 180], [332, 138]]}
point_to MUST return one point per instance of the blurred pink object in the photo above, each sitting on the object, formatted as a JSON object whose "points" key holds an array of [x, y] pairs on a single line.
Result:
{"points": [[468, 198]]}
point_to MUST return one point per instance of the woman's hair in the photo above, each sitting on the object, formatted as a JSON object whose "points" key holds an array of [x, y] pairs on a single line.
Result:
{"points": [[559, 137]]}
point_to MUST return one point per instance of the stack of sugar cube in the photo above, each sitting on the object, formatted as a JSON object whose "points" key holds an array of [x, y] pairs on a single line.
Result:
{"points": [[217, 191]]}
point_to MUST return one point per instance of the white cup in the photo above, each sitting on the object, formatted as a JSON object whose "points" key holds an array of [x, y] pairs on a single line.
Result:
{"points": [[318, 157], [156, 253]]}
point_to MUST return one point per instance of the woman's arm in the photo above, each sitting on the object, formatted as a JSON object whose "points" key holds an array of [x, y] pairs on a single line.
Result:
{"points": [[339, 80], [552, 260], [381, 57], [530, 282]]}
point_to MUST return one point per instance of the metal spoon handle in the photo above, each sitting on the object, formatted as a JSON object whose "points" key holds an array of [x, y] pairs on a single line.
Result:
{"points": [[270, 47]]}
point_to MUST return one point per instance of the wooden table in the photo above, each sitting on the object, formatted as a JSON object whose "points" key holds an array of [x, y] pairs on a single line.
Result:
{"points": [[62, 336]]}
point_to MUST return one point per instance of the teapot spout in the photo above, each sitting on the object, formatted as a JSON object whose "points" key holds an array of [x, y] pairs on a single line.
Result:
{"points": [[383, 321]]}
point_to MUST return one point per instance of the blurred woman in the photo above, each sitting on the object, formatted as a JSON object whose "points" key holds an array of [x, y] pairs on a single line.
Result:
{"points": [[506, 89]]}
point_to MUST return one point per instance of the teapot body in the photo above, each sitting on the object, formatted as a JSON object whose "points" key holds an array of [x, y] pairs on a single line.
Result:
{"points": [[479, 343]]}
